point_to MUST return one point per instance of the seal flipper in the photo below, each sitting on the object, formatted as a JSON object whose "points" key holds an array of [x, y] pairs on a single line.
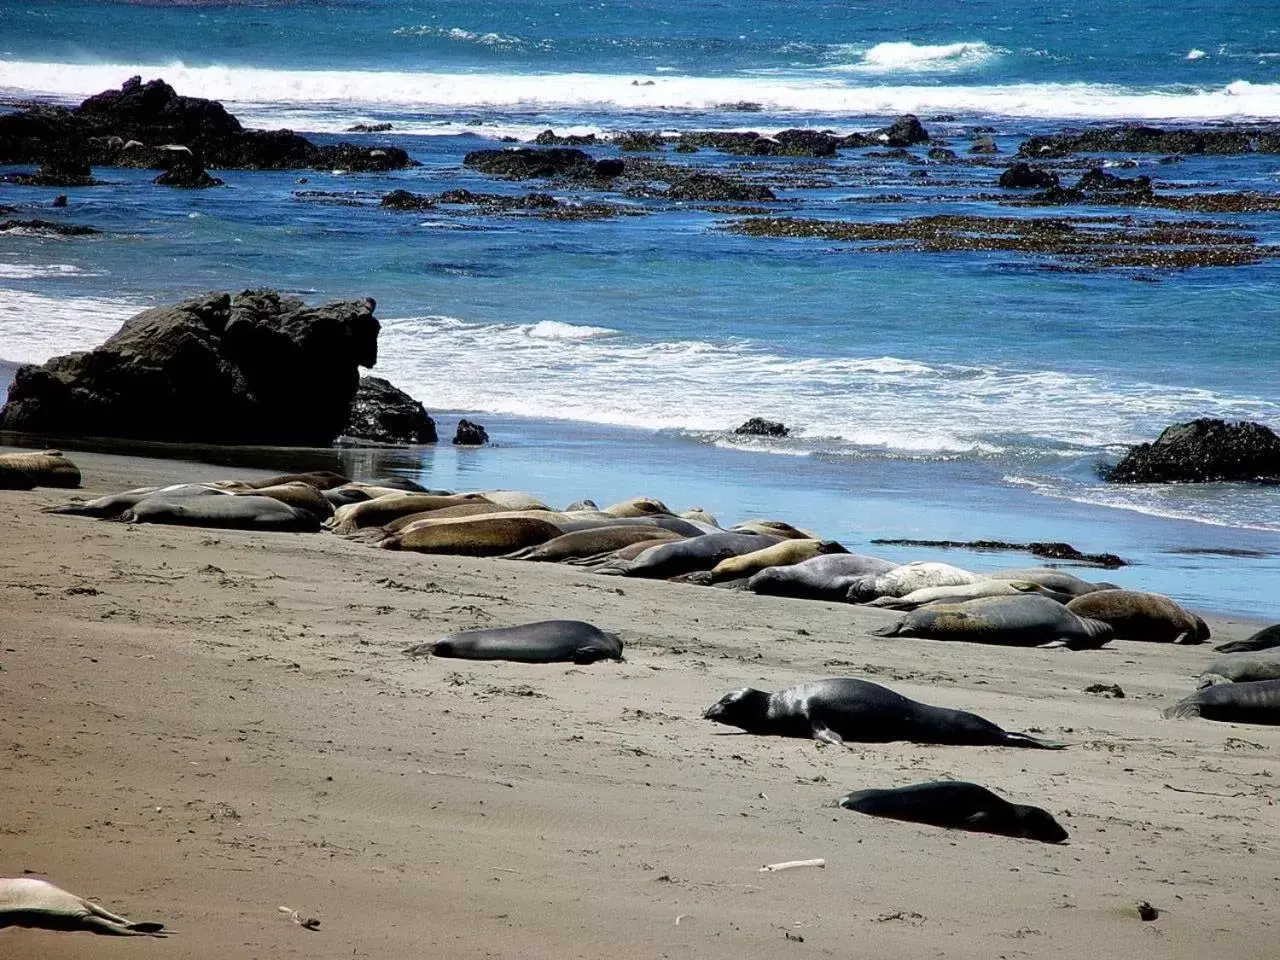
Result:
{"points": [[889, 631], [1183, 710], [1034, 743], [824, 734]]}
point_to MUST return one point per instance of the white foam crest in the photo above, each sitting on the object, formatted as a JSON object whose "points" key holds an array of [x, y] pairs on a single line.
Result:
{"points": [[907, 57], [33, 271], [886, 403], [37, 327], [349, 93], [486, 39]]}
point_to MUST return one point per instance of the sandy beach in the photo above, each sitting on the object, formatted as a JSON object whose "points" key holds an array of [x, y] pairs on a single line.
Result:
{"points": [[203, 726]]}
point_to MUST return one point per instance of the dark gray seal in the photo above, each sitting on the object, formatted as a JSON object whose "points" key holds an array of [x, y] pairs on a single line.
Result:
{"points": [[845, 708], [958, 806], [547, 641], [685, 556], [111, 506], [1026, 621], [1243, 667], [1254, 702], [822, 578], [245, 512], [1264, 639]]}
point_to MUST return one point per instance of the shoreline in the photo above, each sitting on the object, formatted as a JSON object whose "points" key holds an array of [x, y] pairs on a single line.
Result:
{"points": [[223, 723]]}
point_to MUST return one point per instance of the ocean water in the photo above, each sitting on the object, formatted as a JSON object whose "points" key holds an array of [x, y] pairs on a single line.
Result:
{"points": [[951, 396]]}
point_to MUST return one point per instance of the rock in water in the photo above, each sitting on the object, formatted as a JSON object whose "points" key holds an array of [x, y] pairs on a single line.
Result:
{"points": [[256, 368], [1023, 175], [525, 163], [384, 413], [903, 132], [470, 434], [186, 170], [759, 427], [1203, 451]]}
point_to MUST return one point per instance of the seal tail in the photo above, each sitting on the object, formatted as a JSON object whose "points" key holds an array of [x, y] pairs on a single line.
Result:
{"points": [[1187, 709], [1098, 633], [391, 543], [71, 509], [892, 630], [522, 554], [1032, 743]]}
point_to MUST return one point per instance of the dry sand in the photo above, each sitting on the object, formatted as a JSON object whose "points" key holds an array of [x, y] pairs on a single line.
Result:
{"points": [[201, 726]]}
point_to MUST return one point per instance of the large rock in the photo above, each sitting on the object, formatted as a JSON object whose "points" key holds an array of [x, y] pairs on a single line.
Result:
{"points": [[716, 187], [1203, 451], [258, 368], [760, 427], [1024, 176], [130, 127], [906, 131], [1136, 138], [524, 163], [384, 413]]}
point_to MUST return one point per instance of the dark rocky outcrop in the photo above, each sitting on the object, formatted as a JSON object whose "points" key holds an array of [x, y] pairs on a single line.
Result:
{"points": [[259, 368], [404, 200], [1203, 451], [470, 434], [608, 168], [639, 141], [759, 427], [985, 145], [47, 227], [741, 106], [1098, 180], [788, 143], [370, 128], [67, 170], [1053, 550], [383, 413], [127, 128], [1024, 176], [549, 138], [1136, 138], [906, 131], [941, 154], [712, 186], [185, 170], [524, 163]]}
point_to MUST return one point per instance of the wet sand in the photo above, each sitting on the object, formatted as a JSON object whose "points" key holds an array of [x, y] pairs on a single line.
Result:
{"points": [[202, 726]]}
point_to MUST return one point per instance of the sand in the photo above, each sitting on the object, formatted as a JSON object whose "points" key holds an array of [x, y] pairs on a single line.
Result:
{"points": [[202, 726]]}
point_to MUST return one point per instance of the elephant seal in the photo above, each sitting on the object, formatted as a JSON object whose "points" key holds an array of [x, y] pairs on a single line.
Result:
{"points": [[966, 591], [907, 578], [669, 560], [547, 641], [510, 499], [38, 904], [686, 528], [1264, 639], [1257, 701], [1243, 667], [617, 558], [297, 494], [247, 512], [473, 536], [845, 708], [459, 512], [784, 554], [109, 507], [1141, 616], [30, 469], [320, 479], [1056, 580], [822, 578], [702, 516], [637, 507], [772, 528], [381, 510], [588, 543], [1025, 621], [581, 505], [958, 806]]}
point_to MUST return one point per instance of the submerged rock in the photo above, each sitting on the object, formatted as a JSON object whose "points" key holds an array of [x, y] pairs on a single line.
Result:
{"points": [[713, 186], [46, 227], [906, 131], [1023, 176], [259, 368], [639, 141], [383, 413], [470, 434], [759, 427], [1203, 451], [524, 163], [984, 145], [1137, 138], [185, 170]]}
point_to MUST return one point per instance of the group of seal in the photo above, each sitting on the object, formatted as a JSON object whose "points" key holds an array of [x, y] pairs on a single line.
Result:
{"points": [[1243, 686]]}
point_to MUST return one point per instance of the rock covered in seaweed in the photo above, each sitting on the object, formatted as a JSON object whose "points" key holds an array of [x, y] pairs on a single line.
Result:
{"points": [[1203, 451]]}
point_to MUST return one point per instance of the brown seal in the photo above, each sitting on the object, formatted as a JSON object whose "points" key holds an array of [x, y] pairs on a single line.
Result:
{"points": [[1141, 616], [28, 470], [474, 537], [588, 543]]}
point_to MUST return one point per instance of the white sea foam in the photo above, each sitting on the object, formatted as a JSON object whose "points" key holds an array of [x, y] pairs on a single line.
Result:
{"points": [[1196, 54], [348, 93], [32, 271], [487, 39], [850, 404], [906, 57], [34, 327]]}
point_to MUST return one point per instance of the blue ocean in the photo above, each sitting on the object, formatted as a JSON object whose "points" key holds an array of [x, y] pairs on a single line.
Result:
{"points": [[964, 394]]}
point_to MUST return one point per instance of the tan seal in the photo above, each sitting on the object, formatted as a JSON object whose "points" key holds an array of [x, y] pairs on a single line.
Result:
{"points": [[375, 513], [589, 543], [46, 468], [783, 554], [1141, 616], [473, 536]]}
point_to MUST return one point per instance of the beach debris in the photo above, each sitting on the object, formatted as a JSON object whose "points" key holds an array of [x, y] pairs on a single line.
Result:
{"points": [[791, 865], [1147, 912], [307, 923], [1106, 689]]}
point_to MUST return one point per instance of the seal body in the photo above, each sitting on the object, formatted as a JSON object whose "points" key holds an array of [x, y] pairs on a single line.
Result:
{"points": [[1255, 702], [784, 554], [773, 528], [384, 509], [1057, 580], [474, 537], [1242, 668], [822, 578], [30, 469], [637, 507], [108, 507], [907, 578], [1264, 639], [1141, 616], [588, 543], [248, 512], [297, 494], [319, 479], [547, 641], [958, 806], [28, 902], [1024, 621], [965, 591], [845, 708], [697, 553]]}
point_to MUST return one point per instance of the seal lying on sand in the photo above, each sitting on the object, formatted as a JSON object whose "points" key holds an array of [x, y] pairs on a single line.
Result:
{"points": [[588, 543], [1057, 580], [320, 479], [845, 708], [27, 470], [958, 806], [685, 556], [27, 902], [784, 554], [966, 591], [1025, 621], [247, 512], [822, 578], [1243, 667], [473, 536], [297, 494], [1254, 702], [105, 508], [908, 578], [637, 507], [1264, 639], [1141, 616], [376, 512], [772, 528], [547, 641]]}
